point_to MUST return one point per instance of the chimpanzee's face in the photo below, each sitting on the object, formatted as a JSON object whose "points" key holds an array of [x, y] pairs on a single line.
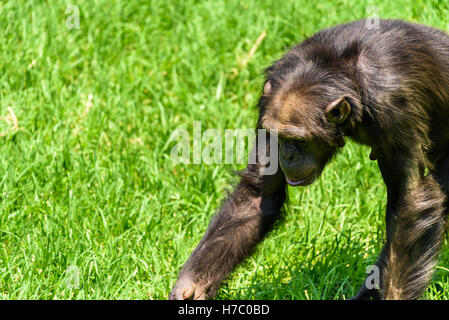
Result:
{"points": [[302, 161], [306, 132]]}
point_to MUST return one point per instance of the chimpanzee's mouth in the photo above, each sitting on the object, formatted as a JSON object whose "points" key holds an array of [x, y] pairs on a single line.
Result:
{"points": [[303, 182]]}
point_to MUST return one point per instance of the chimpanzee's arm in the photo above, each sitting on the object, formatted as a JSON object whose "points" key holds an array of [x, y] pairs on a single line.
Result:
{"points": [[415, 222], [241, 223]]}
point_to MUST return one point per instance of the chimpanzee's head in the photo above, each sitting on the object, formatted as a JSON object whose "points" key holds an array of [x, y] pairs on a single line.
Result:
{"points": [[309, 122]]}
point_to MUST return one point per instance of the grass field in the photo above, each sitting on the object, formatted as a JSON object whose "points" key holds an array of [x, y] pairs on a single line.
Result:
{"points": [[91, 207]]}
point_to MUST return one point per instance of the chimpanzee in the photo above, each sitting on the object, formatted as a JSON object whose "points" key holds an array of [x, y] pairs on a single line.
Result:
{"points": [[385, 87]]}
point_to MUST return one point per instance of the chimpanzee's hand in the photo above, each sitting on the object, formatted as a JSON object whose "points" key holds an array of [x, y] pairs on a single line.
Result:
{"points": [[186, 289]]}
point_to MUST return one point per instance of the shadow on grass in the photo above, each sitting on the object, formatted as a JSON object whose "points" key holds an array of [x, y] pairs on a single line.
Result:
{"points": [[334, 273]]}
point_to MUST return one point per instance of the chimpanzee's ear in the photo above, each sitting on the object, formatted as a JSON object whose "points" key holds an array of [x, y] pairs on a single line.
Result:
{"points": [[338, 110], [267, 88]]}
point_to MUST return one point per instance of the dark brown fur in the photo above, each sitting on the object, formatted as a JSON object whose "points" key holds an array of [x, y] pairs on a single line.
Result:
{"points": [[396, 81]]}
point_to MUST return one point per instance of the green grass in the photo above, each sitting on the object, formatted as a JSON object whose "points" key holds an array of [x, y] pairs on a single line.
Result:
{"points": [[86, 182]]}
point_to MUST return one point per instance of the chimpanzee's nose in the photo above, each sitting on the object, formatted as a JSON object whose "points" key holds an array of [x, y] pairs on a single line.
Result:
{"points": [[289, 152]]}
